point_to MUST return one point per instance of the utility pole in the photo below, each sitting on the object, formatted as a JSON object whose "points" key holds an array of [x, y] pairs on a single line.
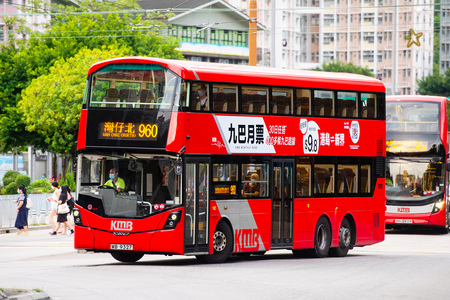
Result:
{"points": [[252, 33]]}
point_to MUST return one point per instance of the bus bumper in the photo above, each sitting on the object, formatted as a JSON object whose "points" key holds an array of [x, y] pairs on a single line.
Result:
{"points": [[423, 219], [149, 235]]}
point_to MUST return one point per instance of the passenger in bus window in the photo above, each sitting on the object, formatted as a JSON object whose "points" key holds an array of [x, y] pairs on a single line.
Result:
{"points": [[115, 181], [252, 189], [203, 96]]}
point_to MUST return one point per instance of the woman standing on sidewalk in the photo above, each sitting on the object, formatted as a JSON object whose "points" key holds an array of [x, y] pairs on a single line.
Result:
{"points": [[53, 204], [22, 211]]}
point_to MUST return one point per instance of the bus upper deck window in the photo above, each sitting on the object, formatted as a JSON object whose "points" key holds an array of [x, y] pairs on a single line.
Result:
{"points": [[281, 101], [254, 99], [323, 103], [346, 104], [369, 105], [199, 98], [225, 98], [302, 102]]}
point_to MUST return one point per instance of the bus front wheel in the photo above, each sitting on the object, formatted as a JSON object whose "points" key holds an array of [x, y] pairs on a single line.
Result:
{"points": [[222, 244], [125, 256], [345, 240]]}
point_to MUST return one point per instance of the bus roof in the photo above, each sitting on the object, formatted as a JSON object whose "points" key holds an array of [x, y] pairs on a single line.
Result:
{"points": [[229, 73], [417, 98]]}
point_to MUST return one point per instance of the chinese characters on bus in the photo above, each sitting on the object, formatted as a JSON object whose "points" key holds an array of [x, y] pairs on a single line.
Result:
{"points": [[263, 135]]}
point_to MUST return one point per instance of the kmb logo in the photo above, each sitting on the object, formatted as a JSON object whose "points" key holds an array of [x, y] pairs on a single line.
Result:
{"points": [[247, 239], [122, 225], [403, 210]]}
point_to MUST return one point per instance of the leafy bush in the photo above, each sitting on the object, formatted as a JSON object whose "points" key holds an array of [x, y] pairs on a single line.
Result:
{"points": [[10, 176], [42, 185], [69, 181], [24, 180], [11, 188]]}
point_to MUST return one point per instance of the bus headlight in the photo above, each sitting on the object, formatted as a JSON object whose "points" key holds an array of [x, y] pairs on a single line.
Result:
{"points": [[77, 216], [173, 219], [438, 206]]}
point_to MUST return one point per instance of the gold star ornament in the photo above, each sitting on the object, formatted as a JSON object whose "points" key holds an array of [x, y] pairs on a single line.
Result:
{"points": [[413, 38]]}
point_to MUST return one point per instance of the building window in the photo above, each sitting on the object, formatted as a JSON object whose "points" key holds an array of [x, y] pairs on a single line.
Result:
{"points": [[240, 39], [2, 34], [214, 37], [10, 32], [186, 34], [226, 37], [199, 37]]}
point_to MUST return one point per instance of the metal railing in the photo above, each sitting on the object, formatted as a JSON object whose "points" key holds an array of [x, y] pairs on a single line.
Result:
{"points": [[36, 215]]}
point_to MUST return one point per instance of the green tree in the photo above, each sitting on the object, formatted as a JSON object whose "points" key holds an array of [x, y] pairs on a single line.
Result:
{"points": [[51, 104], [337, 66], [435, 84], [91, 25]]}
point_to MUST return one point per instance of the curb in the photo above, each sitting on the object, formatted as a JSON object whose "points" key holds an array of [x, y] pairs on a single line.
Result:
{"points": [[26, 295], [30, 228]]}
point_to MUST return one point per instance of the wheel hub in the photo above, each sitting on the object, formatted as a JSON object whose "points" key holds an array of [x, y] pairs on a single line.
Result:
{"points": [[344, 237], [220, 241]]}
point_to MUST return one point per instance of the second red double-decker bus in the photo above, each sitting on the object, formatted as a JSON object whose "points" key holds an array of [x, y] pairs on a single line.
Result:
{"points": [[216, 160], [417, 153]]}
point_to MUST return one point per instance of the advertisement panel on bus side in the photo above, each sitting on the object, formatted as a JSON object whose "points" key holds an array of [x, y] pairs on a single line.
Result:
{"points": [[225, 134]]}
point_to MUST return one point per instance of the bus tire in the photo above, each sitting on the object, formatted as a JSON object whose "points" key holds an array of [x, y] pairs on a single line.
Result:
{"points": [[125, 256], [222, 244], [345, 240], [322, 238]]}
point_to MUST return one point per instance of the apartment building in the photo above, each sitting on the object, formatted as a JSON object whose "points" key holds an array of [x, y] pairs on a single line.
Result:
{"points": [[10, 8], [367, 33], [211, 31], [444, 37]]}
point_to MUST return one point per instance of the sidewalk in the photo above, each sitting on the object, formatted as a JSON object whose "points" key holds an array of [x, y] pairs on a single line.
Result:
{"points": [[4, 230]]}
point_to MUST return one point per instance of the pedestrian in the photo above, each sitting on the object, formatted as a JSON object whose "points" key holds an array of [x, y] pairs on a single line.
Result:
{"points": [[71, 204], [62, 214], [53, 204], [22, 211]]}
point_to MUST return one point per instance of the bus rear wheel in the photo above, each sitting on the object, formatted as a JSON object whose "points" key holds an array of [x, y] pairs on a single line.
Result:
{"points": [[222, 245], [125, 256], [322, 238], [345, 240]]}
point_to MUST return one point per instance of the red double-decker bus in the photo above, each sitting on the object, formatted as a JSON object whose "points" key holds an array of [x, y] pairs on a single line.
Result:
{"points": [[216, 160], [417, 153]]}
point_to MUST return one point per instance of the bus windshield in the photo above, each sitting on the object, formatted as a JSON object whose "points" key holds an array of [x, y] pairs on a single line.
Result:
{"points": [[134, 86], [413, 178], [142, 186], [412, 116]]}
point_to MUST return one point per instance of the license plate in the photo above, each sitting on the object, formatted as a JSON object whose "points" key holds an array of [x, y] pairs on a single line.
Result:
{"points": [[403, 221], [121, 247]]}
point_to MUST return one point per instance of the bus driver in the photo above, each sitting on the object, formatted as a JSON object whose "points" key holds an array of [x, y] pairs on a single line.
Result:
{"points": [[115, 181]]}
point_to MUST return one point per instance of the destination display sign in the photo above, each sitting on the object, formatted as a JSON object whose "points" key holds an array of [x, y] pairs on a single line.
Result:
{"points": [[406, 146], [127, 131]]}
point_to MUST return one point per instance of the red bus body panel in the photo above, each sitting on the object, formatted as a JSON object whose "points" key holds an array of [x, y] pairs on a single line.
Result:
{"points": [[145, 235], [208, 134], [81, 144]]}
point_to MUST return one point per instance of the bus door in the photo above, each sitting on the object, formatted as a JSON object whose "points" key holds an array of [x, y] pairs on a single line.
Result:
{"points": [[197, 206], [282, 203]]}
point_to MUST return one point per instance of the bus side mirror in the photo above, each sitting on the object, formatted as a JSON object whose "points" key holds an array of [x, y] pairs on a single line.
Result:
{"points": [[179, 167]]}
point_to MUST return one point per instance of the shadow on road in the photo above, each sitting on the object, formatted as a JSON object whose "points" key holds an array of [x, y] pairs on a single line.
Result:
{"points": [[192, 261], [419, 230]]}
